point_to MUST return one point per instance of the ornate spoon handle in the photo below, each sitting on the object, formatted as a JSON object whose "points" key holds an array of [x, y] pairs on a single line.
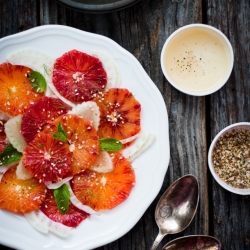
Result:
{"points": [[157, 241]]}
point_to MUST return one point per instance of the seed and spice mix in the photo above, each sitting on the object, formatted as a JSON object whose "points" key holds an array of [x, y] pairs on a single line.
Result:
{"points": [[231, 158]]}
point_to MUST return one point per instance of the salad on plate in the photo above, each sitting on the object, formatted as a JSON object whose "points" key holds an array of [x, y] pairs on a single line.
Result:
{"points": [[68, 137]]}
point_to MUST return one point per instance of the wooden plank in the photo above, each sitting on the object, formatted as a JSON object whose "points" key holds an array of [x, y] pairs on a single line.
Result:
{"points": [[16, 16], [229, 105]]}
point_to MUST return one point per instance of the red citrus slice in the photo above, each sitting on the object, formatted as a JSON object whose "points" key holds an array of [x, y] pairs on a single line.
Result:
{"points": [[120, 114], [47, 158], [3, 141], [82, 138], [77, 76], [16, 92], [71, 219], [104, 191], [39, 114], [20, 196]]}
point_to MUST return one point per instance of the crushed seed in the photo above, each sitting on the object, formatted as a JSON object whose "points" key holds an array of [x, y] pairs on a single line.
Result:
{"points": [[231, 158]]}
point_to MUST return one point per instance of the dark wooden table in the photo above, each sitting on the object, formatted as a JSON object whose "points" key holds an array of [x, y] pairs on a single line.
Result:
{"points": [[194, 121]]}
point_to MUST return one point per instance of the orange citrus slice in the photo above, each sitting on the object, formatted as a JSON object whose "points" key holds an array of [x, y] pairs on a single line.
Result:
{"points": [[20, 196], [16, 92], [82, 138], [120, 114], [104, 191]]}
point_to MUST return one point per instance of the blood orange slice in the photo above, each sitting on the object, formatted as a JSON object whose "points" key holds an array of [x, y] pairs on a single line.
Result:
{"points": [[16, 92], [82, 138], [77, 76], [104, 191], [72, 218], [20, 196], [3, 141], [38, 115], [46, 158], [120, 114]]}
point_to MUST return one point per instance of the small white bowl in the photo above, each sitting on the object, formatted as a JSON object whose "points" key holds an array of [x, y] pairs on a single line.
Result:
{"points": [[240, 125], [197, 59]]}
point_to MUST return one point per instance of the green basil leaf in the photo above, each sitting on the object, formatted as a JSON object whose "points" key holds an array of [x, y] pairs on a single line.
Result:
{"points": [[61, 134], [37, 81], [62, 196], [9, 155], [110, 144]]}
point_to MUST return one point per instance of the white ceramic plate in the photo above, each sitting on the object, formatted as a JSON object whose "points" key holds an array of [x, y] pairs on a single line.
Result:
{"points": [[150, 167]]}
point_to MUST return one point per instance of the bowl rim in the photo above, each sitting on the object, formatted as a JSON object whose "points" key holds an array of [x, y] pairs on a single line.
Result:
{"points": [[240, 191], [205, 26], [98, 8]]}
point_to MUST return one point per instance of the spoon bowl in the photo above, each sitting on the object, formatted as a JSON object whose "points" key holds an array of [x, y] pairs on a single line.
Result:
{"points": [[177, 207], [193, 242]]}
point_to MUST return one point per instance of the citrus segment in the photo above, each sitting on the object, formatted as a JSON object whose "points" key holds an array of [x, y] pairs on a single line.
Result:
{"points": [[39, 114], [104, 191], [16, 92], [3, 140], [72, 218], [120, 114], [20, 196], [47, 158], [82, 138], [77, 76]]}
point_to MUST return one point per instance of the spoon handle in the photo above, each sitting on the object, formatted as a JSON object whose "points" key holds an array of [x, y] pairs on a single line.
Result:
{"points": [[157, 241]]}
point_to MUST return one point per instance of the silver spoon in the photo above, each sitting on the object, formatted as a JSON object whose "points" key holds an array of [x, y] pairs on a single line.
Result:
{"points": [[194, 242], [177, 207]]}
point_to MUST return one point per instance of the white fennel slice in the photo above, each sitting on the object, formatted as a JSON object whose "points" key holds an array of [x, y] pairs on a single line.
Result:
{"points": [[52, 185], [111, 68], [103, 163], [21, 172], [35, 59], [143, 141], [13, 132], [48, 91], [59, 229], [74, 200], [44, 224], [53, 89], [124, 141], [89, 111], [38, 220]]}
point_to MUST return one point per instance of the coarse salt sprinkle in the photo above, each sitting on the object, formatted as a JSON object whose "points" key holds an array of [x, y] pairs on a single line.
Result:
{"points": [[231, 158]]}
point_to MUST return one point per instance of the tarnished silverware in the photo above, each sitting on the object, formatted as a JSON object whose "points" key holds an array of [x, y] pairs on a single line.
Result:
{"points": [[177, 207], [194, 242]]}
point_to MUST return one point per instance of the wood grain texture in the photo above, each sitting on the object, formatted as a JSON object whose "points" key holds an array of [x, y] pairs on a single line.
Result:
{"points": [[229, 105]]}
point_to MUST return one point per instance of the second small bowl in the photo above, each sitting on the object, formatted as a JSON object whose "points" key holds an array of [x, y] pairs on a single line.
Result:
{"points": [[235, 126]]}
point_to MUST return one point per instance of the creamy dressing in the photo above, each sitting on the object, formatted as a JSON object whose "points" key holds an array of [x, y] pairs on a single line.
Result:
{"points": [[197, 61]]}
